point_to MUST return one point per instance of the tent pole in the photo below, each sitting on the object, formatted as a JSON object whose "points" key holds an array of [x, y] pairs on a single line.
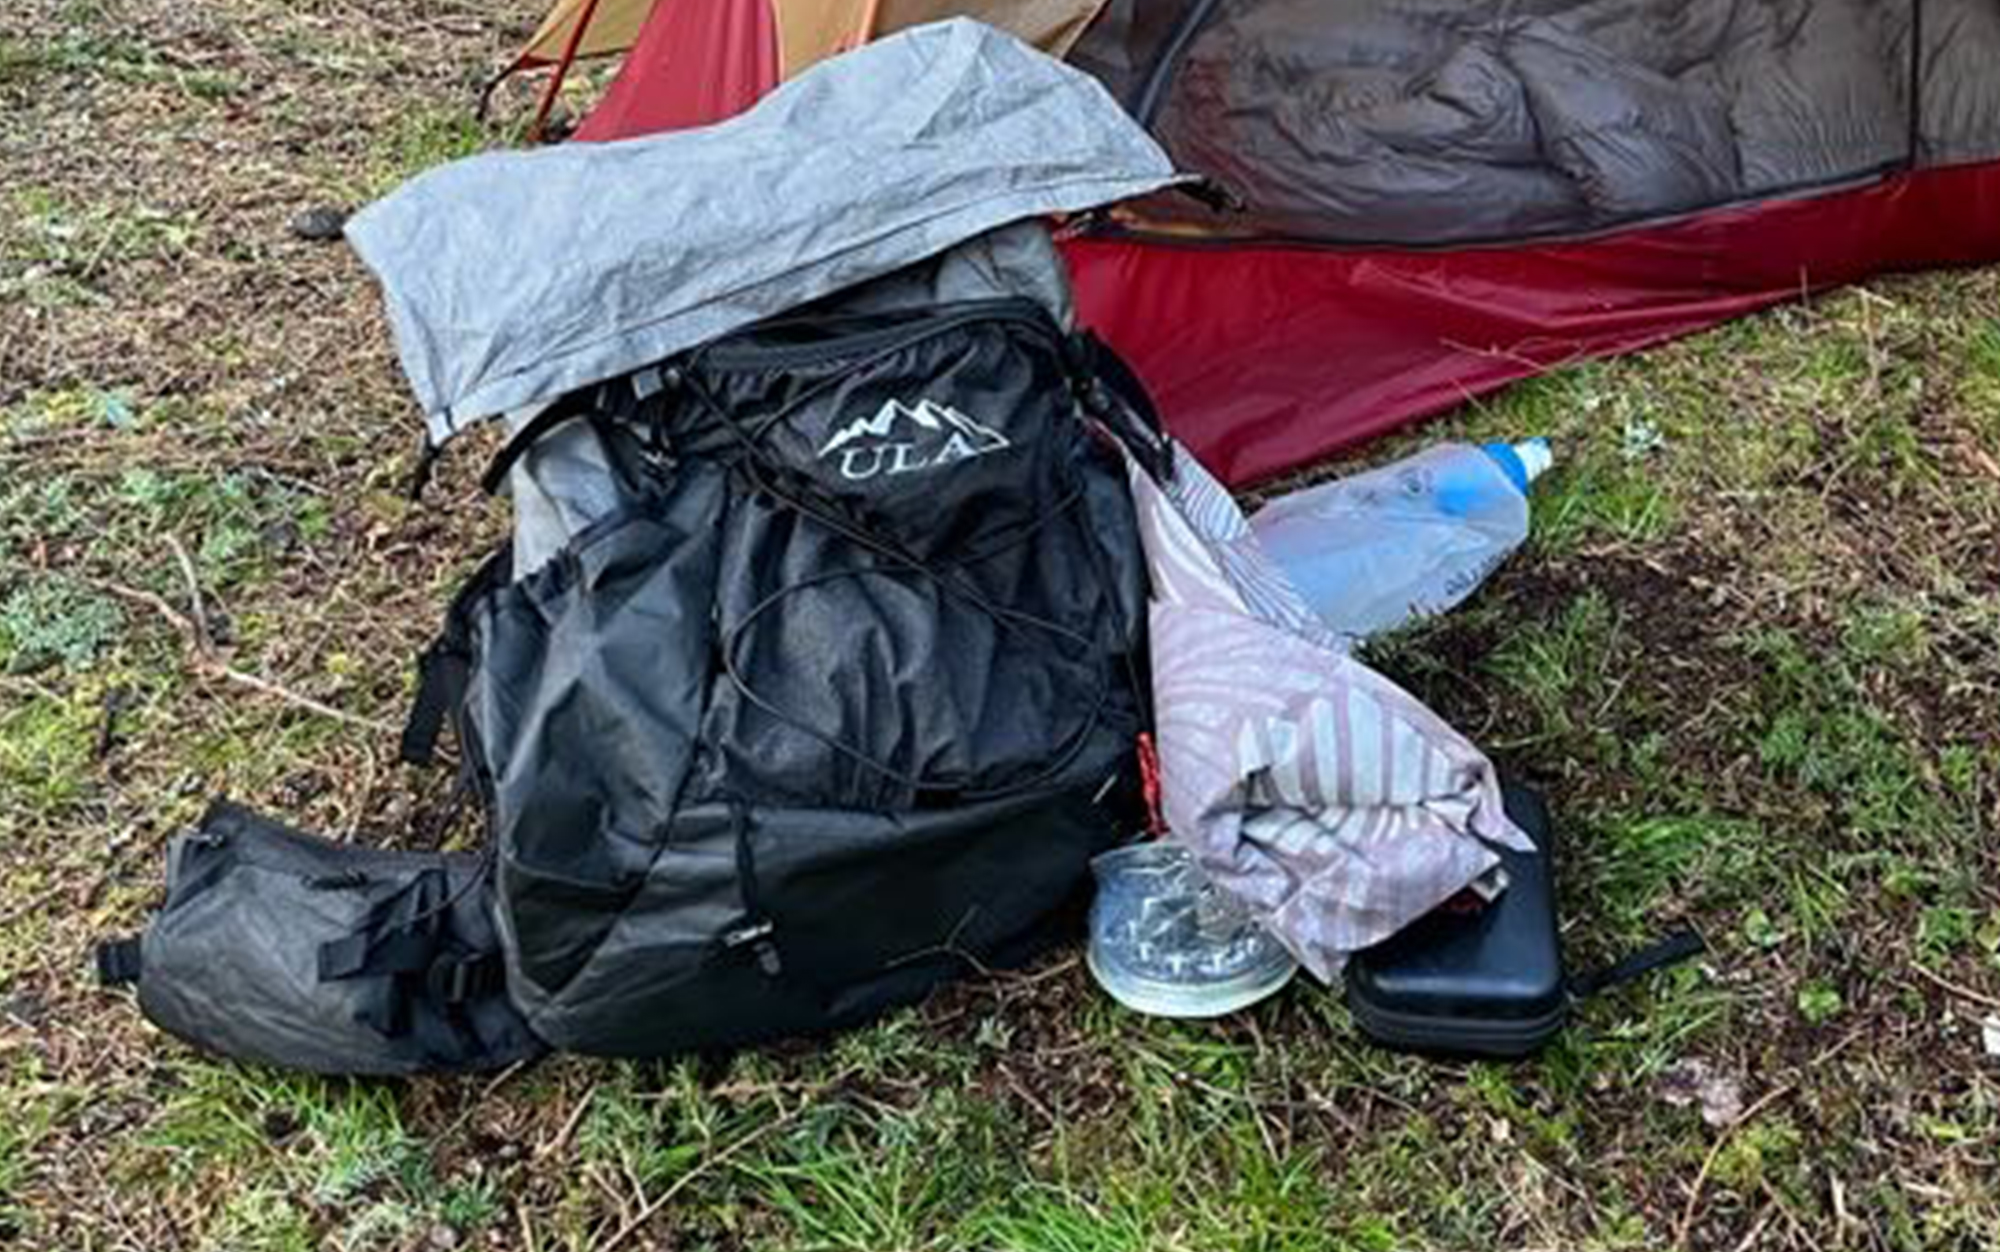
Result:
{"points": [[561, 71], [871, 15], [862, 32]]}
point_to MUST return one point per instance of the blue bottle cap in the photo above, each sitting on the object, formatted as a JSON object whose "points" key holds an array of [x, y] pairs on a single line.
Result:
{"points": [[1522, 462]]}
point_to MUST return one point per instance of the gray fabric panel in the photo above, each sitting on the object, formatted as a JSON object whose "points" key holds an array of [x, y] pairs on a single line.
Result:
{"points": [[1628, 138], [1438, 121], [1015, 260], [1127, 39], [512, 277], [559, 488], [1961, 98], [1818, 92]]}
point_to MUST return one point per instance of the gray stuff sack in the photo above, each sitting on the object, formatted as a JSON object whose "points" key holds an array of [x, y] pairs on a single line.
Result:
{"points": [[512, 278], [286, 949]]}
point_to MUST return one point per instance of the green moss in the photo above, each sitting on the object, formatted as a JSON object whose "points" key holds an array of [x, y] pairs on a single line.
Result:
{"points": [[46, 745], [54, 621], [1758, 1153]]}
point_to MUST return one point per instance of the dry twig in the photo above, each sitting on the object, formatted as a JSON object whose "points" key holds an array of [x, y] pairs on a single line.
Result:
{"points": [[1962, 992], [1715, 1151], [204, 636], [208, 664]]}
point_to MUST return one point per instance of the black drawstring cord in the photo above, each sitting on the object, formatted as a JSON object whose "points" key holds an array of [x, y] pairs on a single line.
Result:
{"points": [[755, 465]]}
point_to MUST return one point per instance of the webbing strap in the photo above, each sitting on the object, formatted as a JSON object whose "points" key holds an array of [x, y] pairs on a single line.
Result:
{"points": [[445, 668], [368, 955], [1671, 950], [394, 945], [756, 927], [1115, 396], [442, 673], [457, 981]]}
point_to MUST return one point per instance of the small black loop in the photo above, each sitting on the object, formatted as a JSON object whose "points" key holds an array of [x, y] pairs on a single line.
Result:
{"points": [[118, 962], [458, 981], [420, 473], [345, 880]]}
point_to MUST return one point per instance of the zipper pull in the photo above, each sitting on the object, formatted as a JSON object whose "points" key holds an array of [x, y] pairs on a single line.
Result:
{"points": [[767, 958], [757, 936]]}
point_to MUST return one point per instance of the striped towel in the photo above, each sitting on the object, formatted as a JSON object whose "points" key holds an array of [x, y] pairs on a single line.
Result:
{"points": [[1326, 797]]}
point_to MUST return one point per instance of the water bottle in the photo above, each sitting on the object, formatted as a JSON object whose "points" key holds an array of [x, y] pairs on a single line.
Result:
{"points": [[1408, 540]]}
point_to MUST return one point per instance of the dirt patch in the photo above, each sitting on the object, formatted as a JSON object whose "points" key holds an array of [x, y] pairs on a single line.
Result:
{"points": [[1673, 626]]}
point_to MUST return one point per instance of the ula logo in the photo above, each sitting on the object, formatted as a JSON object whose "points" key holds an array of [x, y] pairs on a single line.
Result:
{"points": [[903, 438]]}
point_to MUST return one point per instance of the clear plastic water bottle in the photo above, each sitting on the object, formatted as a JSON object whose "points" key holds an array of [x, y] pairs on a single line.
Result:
{"points": [[1408, 540]]}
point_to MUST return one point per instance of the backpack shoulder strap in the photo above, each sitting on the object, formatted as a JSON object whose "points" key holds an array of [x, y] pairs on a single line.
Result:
{"points": [[1112, 393], [445, 667]]}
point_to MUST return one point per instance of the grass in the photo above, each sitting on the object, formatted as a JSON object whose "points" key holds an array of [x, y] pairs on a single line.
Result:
{"points": [[1751, 651]]}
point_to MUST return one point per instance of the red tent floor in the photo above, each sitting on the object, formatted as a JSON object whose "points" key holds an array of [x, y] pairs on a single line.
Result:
{"points": [[1264, 359]]}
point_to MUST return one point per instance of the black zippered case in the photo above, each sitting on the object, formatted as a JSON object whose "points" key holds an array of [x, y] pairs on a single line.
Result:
{"points": [[1484, 982]]}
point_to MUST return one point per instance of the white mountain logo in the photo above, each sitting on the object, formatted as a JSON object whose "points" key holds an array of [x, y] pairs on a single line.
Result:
{"points": [[904, 438]]}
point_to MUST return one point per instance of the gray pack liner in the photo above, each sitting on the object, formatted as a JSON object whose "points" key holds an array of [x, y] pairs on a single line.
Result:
{"points": [[513, 277]]}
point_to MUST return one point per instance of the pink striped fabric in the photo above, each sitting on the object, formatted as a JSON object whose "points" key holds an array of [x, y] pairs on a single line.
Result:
{"points": [[1325, 796]]}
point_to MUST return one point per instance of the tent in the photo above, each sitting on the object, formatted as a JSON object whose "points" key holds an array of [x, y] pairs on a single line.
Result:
{"points": [[697, 61], [1437, 197]]}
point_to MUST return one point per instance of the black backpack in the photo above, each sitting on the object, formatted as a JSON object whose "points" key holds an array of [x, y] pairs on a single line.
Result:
{"points": [[824, 689]]}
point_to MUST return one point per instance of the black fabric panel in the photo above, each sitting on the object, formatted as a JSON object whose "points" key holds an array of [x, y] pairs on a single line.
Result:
{"points": [[591, 676], [865, 911], [869, 678], [1446, 121]]}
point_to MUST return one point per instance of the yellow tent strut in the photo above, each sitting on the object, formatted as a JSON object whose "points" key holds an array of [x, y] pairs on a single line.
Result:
{"points": [[561, 71]]}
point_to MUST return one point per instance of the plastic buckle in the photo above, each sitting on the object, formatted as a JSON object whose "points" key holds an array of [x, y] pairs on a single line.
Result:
{"points": [[455, 982]]}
